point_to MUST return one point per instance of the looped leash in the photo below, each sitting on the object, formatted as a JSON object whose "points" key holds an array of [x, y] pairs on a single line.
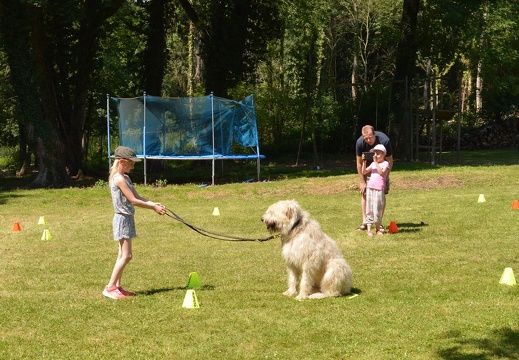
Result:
{"points": [[211, 234]]}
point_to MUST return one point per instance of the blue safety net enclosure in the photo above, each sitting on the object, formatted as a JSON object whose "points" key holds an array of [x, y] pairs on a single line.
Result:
{"points": [[191, 128]]}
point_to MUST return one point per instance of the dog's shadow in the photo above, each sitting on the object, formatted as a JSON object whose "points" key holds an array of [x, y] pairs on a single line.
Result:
{"points": [[354, 292], [151, 292]]}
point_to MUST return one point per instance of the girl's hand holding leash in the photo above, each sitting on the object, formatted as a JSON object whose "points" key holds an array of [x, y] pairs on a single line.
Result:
{"points": [[159, 209]]}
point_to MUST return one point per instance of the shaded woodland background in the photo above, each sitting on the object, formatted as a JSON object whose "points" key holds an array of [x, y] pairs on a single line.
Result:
{"points": [[319, 70]]}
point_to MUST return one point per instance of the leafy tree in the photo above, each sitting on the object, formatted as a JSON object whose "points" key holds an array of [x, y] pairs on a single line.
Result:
{"points": [[234, 36], [8, 117], [52, 56], [372, 27], [500, 59], [300, 58]]}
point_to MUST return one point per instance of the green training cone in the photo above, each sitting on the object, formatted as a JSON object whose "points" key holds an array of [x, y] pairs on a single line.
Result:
{"points": [[193, 281]]}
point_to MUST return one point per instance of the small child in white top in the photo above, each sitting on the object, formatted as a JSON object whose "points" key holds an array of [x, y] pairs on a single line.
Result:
{"points": [[375, 196]]}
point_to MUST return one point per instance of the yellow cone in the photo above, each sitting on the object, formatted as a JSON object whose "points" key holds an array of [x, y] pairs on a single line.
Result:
{"points": [[193, 281], [46, 235], [190, 300], [481, 198], [508, 277], [216, 212], [42, 220]]}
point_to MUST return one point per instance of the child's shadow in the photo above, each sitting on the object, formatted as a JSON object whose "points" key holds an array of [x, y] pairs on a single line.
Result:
{"points": [[410, 227], [151, 292]]}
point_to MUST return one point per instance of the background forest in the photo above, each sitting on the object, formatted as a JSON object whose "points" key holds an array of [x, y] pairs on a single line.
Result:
{"points": [[319, 70]]}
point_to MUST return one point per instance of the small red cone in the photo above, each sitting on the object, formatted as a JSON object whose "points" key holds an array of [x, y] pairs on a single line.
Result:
{"points": [[392, 227], [515, 204], [17, 227]]}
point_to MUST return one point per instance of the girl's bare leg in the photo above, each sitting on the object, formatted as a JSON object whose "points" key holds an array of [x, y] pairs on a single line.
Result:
{"points": [[123, 258]]}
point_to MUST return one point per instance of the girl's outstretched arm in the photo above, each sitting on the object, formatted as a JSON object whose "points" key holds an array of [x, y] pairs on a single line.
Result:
{"points": [[136, 199]]}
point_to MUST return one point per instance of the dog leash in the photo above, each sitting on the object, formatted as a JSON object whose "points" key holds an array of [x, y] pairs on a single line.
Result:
{"points": [[214, 235]]}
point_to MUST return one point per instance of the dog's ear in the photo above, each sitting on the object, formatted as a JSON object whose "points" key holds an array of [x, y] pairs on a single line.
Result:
{"points": [[291, 213]]}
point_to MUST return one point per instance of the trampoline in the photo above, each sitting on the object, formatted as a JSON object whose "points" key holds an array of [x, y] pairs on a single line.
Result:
{"points": [[194, 128]]}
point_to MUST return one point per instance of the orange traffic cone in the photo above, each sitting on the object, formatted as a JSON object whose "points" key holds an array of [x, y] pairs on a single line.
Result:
{"points": [[17, 227], [392, 227], [515, 204]]}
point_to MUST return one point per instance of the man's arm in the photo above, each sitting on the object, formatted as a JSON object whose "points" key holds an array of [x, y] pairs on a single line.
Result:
{"points": [[362, 180], [389, 159]]}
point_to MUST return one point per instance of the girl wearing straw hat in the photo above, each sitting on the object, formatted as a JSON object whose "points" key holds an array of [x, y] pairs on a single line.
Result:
{"points": [[124, 198]]}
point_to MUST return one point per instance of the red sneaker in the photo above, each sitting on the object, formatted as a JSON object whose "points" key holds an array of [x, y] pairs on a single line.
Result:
{"points": [[113, 293], [125, 292]]}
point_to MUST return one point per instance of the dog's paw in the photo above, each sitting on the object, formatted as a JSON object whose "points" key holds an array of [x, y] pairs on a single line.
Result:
{"points": [[301, 297], [319, 295], [290, 293]]}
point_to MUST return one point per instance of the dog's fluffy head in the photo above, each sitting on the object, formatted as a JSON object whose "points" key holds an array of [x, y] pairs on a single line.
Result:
{"points": [[283, 216]]}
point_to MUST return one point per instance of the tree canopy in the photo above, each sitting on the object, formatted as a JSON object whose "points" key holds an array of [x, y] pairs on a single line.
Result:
{"points": [[320, 70]]}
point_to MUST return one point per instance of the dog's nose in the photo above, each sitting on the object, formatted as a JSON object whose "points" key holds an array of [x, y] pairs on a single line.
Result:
{"points": [[262, 219]]}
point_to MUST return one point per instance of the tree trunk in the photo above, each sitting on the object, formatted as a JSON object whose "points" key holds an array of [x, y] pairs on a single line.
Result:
{"points": [[355, 63], [29, 76], [479, 87], [72, 114], [155, 54], [24, 153], [404, 69], [310, 85], [49, 144]]}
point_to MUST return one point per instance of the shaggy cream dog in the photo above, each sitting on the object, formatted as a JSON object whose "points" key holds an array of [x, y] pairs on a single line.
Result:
{"points": [[313, 259]]}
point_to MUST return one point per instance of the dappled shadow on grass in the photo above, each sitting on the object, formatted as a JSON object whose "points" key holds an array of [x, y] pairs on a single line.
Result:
{"points": [[502, 343], [410, 227], [272, 169], [4, 199], [168, 289], [480, 158]]}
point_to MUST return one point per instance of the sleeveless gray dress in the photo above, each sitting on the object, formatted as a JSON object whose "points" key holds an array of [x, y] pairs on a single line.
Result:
{"points": [[123, 221]]}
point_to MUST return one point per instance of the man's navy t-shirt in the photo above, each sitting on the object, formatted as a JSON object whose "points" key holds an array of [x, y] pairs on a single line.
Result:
{"points": [[380, 138]]}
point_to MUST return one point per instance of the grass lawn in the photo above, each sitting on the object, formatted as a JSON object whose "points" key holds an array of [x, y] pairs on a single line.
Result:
{"points": [[430, 291]]}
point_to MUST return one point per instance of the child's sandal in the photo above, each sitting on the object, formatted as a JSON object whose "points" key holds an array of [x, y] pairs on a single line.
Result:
{"points": [[362, 227], [380, 233]]}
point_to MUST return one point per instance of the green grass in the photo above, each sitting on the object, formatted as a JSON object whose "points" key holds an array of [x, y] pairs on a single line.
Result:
{"points": [[431, 291]]}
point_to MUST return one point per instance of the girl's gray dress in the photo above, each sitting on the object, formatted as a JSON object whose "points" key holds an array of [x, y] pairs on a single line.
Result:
{"points": [[123, 222]]}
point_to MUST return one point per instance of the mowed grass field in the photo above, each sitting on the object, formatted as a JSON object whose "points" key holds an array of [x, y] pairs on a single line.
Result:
{"points": [[430, 291]]}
